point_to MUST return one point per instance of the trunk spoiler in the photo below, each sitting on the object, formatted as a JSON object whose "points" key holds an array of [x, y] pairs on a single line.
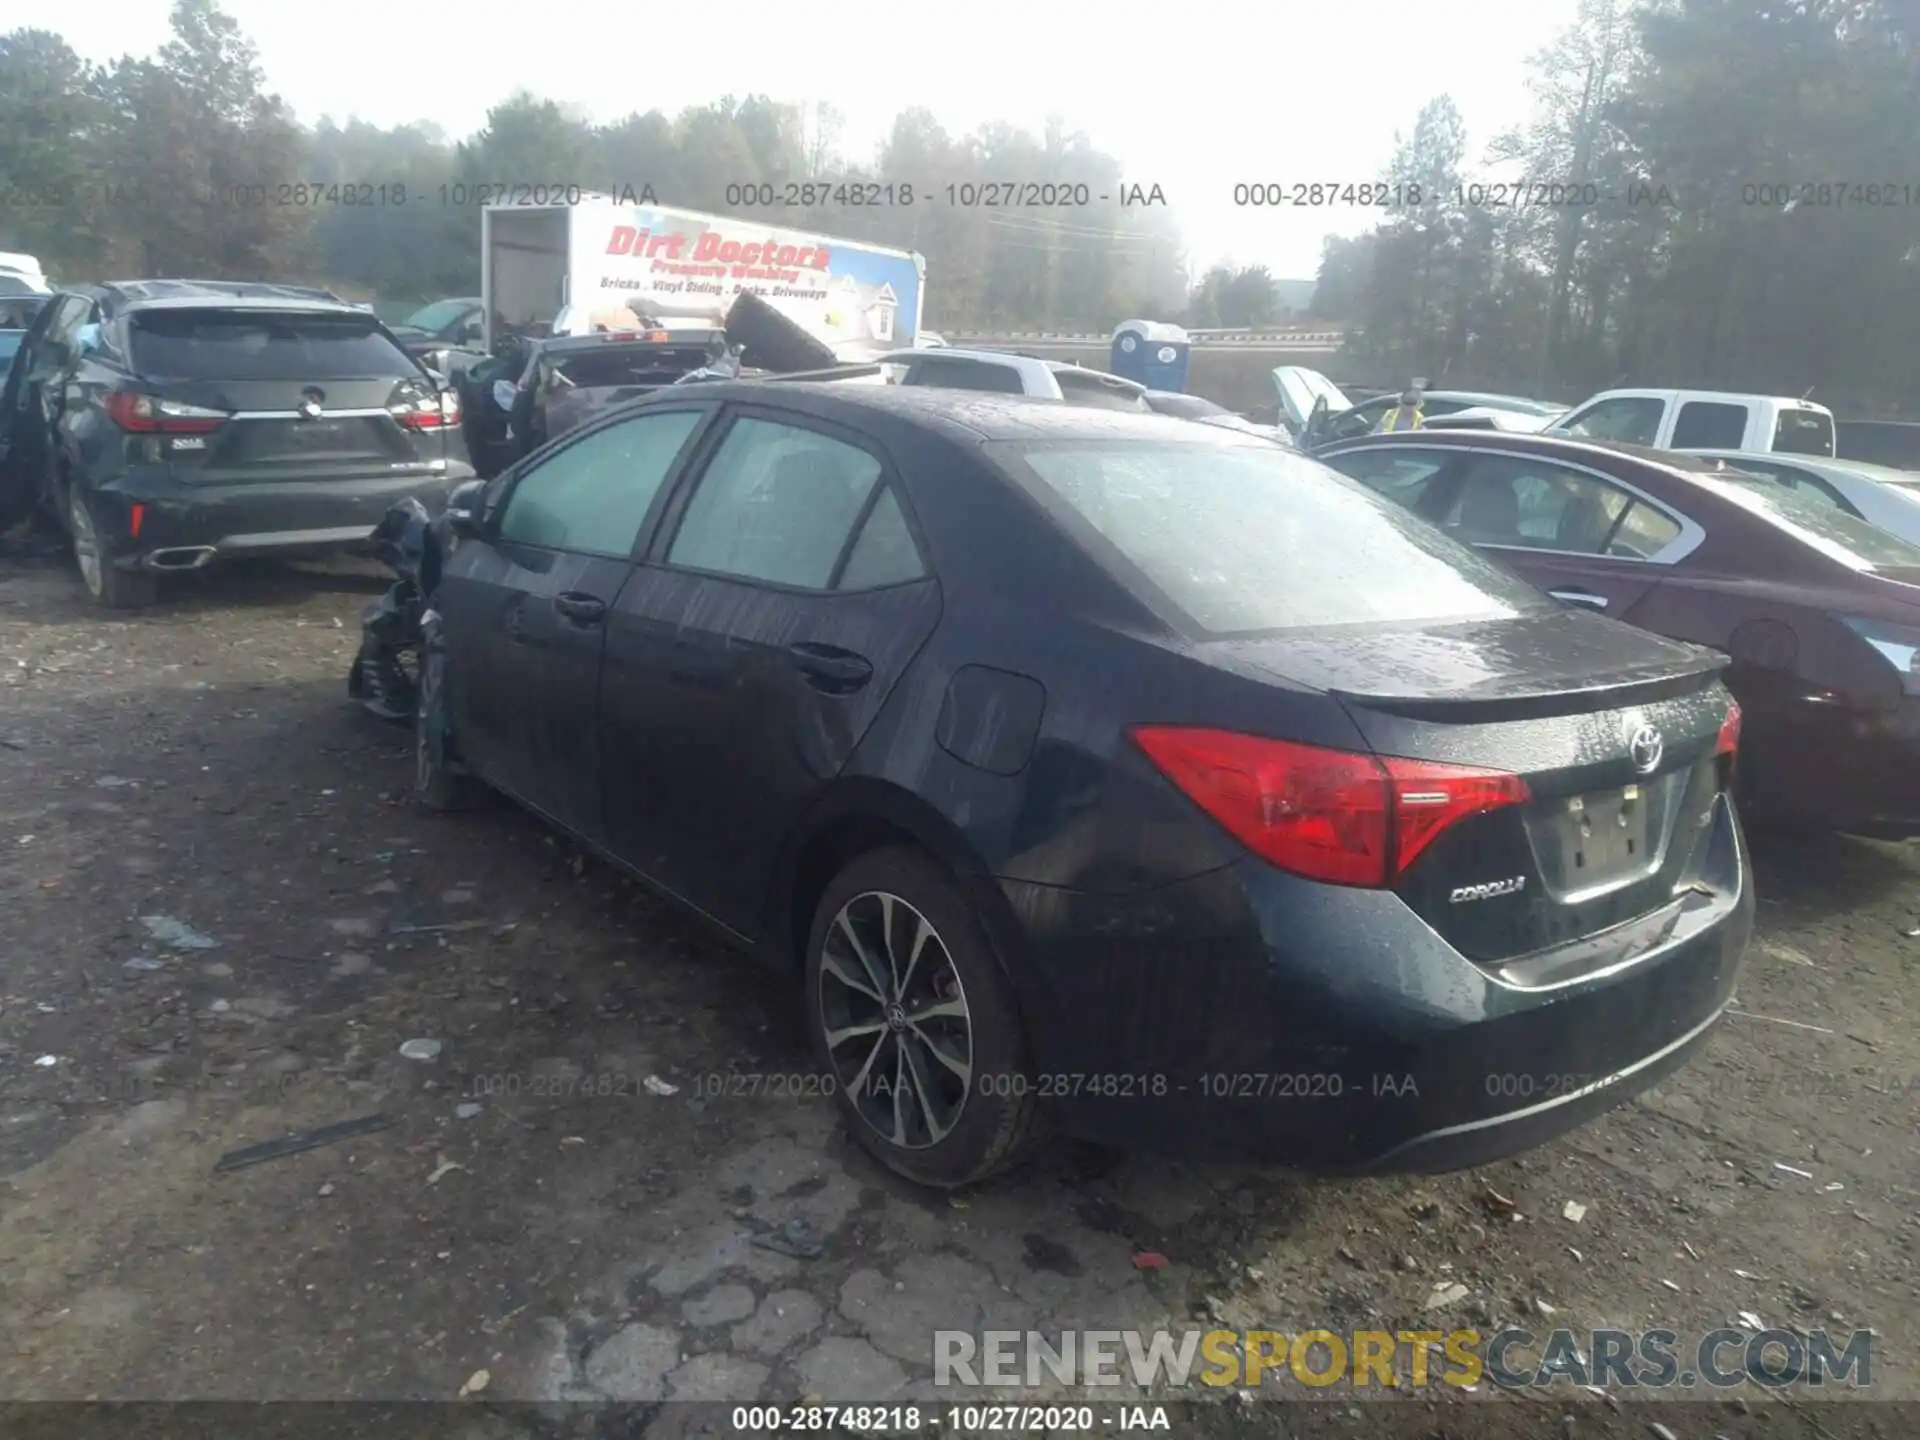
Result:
{"points": [[1565, 697]]}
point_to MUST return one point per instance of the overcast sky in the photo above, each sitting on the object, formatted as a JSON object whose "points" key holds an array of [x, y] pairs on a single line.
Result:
{"points": [[1195, 97]]}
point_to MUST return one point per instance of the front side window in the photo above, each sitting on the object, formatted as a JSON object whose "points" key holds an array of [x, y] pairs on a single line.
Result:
{"points": [[593, 495], [778, 505], [1536, 505]]}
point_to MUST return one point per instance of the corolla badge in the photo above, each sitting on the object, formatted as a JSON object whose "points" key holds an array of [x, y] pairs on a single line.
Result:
{"points": [[1645, 747], [1462, 894]]}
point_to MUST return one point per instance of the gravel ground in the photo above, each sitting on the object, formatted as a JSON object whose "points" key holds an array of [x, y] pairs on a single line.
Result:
{"points": [[535, 1210]]}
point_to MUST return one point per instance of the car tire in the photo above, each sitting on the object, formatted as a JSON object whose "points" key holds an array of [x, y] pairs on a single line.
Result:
{"points": [[109, 585], [948, 1045], [438, 783]]}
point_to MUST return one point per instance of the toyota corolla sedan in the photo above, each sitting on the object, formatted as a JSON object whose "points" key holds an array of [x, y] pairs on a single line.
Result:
{"points": [[1107, 767]]}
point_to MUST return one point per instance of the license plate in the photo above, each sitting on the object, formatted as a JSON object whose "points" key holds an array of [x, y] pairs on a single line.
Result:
{"points": [[1608, 835]]}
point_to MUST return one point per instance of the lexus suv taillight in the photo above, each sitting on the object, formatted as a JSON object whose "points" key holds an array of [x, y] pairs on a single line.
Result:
{"points": [[427, 412], [1331, 815], [148, 415]]}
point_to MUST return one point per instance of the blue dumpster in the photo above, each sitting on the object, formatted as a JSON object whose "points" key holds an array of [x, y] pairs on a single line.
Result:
{"points": [[1151, 354]]}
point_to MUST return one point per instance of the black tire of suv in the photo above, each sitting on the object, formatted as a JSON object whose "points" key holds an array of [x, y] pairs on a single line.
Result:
{"points": [[110, 586], [437, 785], [993, 1131]]}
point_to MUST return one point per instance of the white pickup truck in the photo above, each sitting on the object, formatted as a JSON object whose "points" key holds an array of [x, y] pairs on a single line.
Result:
{"points": [[1702, 420]]}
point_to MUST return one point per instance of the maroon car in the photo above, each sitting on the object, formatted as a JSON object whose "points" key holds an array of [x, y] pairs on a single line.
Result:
{"points": [[1820, 612]]}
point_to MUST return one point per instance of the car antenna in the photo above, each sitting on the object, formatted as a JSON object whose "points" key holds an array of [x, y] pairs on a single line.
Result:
{"points": [[1806, 392]]}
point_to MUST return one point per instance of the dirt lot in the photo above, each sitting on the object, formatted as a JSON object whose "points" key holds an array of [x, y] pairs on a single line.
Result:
{"points": [[534, 1210]]}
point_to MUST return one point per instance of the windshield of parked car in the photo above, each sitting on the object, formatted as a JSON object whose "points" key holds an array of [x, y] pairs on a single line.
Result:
{"points": [[1828, 529], [1251, 537], [265, 345], [438, 315]]}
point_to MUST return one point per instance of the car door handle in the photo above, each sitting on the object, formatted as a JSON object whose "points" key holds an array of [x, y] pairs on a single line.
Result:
{"points": [[829, 668], [1580, 597], [580, 609]]}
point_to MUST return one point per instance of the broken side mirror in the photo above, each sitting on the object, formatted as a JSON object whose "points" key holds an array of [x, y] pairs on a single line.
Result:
{"points": [[465, 507]]}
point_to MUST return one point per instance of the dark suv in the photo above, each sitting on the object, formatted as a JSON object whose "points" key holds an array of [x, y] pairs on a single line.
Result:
{"points": [[170, 423]]}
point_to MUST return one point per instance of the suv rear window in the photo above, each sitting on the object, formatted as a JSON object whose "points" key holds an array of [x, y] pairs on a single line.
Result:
{"points": [[1249, 537], [1803, 432], [259, 345]]}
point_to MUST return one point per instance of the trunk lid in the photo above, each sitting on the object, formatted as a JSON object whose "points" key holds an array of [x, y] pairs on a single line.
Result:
{"points": [[1615, 732], [306, 394]]}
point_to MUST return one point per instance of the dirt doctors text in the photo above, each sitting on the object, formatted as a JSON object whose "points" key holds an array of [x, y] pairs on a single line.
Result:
{"points": [[1513, 1359]]}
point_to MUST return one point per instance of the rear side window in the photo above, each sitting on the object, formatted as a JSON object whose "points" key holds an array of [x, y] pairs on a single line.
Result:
{"points": [[258, 345], [967, 375], [1803, 432], [1709, 425], [777, 504], [1251, 537]]}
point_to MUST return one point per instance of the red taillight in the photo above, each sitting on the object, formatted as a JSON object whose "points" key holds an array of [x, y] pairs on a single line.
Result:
{"points": [[1332, 815], [1728, 743], [432, 413], [144, 415], [136, 517]]}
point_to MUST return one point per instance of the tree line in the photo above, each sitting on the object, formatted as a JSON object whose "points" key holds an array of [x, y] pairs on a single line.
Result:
{"points": [[1718, 194], [183, 163]]}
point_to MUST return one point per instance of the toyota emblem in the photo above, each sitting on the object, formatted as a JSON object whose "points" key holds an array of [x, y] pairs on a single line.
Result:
{"points": [[310, 405], [1646, 747]]}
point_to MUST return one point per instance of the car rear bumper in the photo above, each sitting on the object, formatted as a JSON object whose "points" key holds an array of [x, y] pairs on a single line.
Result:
{"points": [[182, 527], [1247, 1014]]}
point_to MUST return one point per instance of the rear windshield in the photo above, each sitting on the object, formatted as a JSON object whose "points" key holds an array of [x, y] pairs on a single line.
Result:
{"points": [[1099, 393], [256, 345], [1250, 537], [967, 375], [1187, 407], [1819, 523], [1803, 432], [631, 364], [438, 315]]}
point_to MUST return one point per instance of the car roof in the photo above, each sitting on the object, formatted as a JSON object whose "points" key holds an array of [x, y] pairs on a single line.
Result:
{"points": [[153, 294], [980, 414]]}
